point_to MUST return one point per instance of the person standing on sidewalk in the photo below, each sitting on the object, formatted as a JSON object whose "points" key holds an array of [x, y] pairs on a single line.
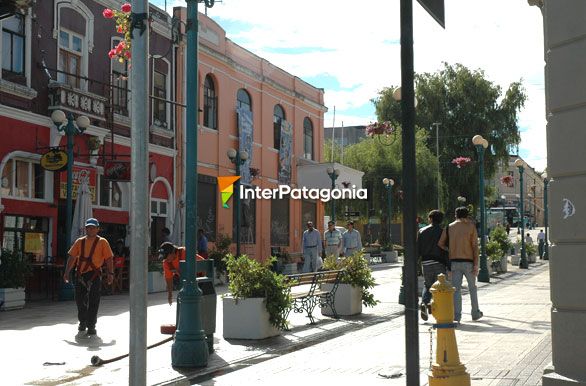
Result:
{"points": [[434, 260], [541, 243], [332, 240], [461, 240], [311, 246], [171, 256], [351, 240], [202, 243], [88, 254]]}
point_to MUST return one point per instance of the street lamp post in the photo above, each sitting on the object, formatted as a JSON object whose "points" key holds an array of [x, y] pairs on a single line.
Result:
{"points": [[333, 173], [81, 123], [519, 164], [481, 144], [545, 219], [388, 183], [238, 159]]}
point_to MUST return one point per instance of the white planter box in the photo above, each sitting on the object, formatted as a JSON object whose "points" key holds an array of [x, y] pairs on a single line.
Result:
{"points": [[246, 319], [348, 300], [156, 282], [532, 258], [515, 259], [504, 264], [13, 298], [389, 256]]}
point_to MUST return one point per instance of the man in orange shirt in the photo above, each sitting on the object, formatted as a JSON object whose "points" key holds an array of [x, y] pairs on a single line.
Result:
{"points": [[88, 254], [171, 255]]}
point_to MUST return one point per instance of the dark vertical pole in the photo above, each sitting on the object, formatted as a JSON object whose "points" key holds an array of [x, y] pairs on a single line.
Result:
{"points": [[483, 274], [410, 188], [333, 178], [545, 219], [523, 263], [237, 203], [69, 198]]}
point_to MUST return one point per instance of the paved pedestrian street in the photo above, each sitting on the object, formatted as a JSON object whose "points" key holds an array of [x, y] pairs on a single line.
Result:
{"points": [[509, 346]]}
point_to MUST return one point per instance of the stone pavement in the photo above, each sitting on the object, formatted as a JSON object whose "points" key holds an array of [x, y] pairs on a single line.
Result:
{"points": [[504, 346]]}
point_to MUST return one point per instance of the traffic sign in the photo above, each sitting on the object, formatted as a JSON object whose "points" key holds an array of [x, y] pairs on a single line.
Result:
{"points": [[436, 9]]}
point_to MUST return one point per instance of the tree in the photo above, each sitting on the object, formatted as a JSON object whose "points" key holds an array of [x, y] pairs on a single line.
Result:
{"points": [[382, 158], [465, 103]]}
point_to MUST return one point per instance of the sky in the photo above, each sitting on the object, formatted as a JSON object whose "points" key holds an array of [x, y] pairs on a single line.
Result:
{"points": [[351, 49]]}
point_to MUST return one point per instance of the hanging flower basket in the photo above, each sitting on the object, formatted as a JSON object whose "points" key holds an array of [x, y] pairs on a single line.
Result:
{"points": [[379, 128], [507, 181], [122, 51], [254, 172], [461, 161]]}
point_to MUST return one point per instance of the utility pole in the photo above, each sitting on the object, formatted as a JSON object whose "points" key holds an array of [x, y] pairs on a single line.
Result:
{"points": [[139, 189]]}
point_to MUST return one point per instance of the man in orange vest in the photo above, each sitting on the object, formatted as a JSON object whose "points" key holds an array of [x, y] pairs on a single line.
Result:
{"points": [[171, 255], [88, 254]]}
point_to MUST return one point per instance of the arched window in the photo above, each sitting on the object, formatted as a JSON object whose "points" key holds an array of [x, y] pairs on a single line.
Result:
{"points": [[243, 100], [307, 138], [278, 118], [210, 104]]}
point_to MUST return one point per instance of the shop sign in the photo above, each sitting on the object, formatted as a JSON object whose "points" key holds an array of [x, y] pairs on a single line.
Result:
{"points": [[117, 170], [80, 175], [54, 160]]}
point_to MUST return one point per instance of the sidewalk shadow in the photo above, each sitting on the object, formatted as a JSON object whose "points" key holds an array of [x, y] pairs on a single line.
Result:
{"points": [[92, 343], [485, 325]]}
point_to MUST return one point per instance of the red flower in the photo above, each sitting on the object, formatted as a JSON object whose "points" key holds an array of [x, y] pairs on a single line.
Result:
{"points": [[120, 47], [507, 180], [126, 7], [127, 54], [112, 53], [108, 13], [461, 161], [119, 29]]}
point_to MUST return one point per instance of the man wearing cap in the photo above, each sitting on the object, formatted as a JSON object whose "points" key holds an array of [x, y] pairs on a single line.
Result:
{"points": [[88, 254], [351, 239], [171, 256], [311, 246], [332, 240]]}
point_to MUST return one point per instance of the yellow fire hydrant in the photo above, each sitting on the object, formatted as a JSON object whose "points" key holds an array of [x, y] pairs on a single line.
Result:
{"points": [[447, 369]]}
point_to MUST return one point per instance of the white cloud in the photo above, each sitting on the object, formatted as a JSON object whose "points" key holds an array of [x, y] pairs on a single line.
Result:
{"points": [[360, 47]]}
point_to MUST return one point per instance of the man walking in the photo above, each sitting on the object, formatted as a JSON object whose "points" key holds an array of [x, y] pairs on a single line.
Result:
{"points": [[88, 255], [311, 246], [541, 243], [332, 240], [351, 240], [434, 260], [461, 239]]}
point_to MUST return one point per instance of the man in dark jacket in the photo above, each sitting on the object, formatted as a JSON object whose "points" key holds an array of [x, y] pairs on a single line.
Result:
{"points": [[433, 259]]}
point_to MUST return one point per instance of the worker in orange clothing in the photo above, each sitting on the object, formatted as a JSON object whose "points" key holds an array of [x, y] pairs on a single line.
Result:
{"points": [[171, 255]]}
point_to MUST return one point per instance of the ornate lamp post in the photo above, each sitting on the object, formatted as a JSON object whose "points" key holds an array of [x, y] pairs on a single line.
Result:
{"points": [[238, 159], [521, 165], [333, 173], [545, 219], [480, 143], [71, 129], [388, 183], [190, 348]]}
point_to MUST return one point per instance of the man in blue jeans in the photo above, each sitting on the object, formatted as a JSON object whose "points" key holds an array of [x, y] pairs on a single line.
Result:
{"points": [[461, 239]]}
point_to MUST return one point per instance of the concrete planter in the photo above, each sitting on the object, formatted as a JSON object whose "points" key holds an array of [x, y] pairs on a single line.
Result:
{"points": [[13, 298], [348, 300], [290, 269], [389, 256], [246, 319], [504, 264], [532, 258], [515, 259], [156, 282]]}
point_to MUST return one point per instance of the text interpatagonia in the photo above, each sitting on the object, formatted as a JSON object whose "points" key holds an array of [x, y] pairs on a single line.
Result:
{"points": [[303, 193]]}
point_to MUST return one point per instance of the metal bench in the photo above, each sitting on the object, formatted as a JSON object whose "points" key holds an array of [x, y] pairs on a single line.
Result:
{"points": [[307, 291]]}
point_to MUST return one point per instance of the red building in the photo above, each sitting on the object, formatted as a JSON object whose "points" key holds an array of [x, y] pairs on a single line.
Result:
{"points": [[55, 58]]}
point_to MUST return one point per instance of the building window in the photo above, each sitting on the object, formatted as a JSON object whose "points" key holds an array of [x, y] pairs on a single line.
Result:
{"points": [[23, 179], [210, 104], [70, 57], [26, 234], [280, 222], [243, 100], [308, 212], [159, 102], [119, 84], [278, 118], [159, 221], [307, 138], [13, 42], [110, 193]]}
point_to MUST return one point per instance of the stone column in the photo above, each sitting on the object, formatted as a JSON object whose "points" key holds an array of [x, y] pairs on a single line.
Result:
{"points": [[565, 81]]}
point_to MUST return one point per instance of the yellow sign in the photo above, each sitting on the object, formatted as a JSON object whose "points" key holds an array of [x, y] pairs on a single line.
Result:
{"points": [[54, 160], [74, 189]]}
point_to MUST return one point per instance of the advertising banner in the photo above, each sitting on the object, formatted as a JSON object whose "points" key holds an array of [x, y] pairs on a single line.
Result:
{"points": [[285, 152], [80, 174], [245, 130]]}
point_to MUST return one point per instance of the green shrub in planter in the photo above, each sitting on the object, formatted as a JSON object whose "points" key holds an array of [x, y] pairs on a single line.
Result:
{"points": [[357, 273], [250, 278], [499, 235], [494, 252], [530, 249], [219, 251], [14, 269]]}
